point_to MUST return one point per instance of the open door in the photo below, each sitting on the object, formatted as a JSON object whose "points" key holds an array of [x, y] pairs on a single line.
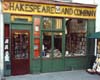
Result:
{"points": [[20, 51]]}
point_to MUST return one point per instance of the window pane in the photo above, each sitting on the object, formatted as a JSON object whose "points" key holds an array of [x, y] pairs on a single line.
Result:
{"points": [[46, 45], [58, 23], [76, 37], [20, 45], [57, 51], [47, 23]]}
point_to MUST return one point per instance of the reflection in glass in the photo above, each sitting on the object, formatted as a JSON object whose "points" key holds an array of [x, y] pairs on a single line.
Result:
{"points": [[58, 23], [76, 37], [20, 42], [46, 46], [57, 51], [52, 44], [47, 23]]}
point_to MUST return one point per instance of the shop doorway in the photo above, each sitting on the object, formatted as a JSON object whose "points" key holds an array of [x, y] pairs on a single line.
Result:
{"points": [[20, 51]]}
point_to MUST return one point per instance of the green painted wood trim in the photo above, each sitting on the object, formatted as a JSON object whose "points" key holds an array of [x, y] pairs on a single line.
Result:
{"points": [[52, 39], [77, 63], [63, 38], [36, 66], [90, 42], [71, 63], [52, 45], [90, 26], [6, 18], [47, 65], [17, 22], [21, 26], [58, 65], [31, 47], [52, 30], [41, 41]]}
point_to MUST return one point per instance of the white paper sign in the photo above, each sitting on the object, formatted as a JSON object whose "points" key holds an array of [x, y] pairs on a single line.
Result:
{"points": [[36, 28], [7, 40], [6, 47], [6, 56]]}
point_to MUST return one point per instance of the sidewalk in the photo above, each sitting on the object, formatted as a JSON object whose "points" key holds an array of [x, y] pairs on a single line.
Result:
{"points": [[65, 75]]}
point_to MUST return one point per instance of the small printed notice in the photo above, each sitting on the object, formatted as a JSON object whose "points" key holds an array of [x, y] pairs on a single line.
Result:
{"points": [[36, 28]]}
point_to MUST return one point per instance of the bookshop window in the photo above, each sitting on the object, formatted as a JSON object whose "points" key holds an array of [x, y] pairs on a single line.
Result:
{"points": [[52, 44], [57, 51], [52, 37], [46, 44], [76, 37]]}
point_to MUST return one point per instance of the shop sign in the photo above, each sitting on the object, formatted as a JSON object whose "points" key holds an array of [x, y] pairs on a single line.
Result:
{"points": [[49, 10]]}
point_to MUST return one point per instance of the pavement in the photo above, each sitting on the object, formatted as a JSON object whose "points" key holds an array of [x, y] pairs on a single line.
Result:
{"points": [[64, 75]]}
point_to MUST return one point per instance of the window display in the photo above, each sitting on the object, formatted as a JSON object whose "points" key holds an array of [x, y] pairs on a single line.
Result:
{"points": [[46, 48], [57, 52], [20, 43], [51, 38], [76, 37], [52, 45]]}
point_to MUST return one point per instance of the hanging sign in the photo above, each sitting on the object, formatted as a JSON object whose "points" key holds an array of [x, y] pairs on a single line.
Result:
{"points": [[49, 10]]}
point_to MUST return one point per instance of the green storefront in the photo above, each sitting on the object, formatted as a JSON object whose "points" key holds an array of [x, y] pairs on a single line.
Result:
{"points": [[47, 36]]}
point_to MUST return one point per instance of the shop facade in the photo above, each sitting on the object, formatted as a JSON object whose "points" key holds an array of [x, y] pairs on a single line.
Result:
{"points": [[47, 36]]}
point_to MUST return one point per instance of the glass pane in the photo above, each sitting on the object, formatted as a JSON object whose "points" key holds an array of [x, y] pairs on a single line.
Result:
{"points": [[21, 44], [46, 45], [57, 51], [47, 23], [76, 37], [58, 23], [77, 25]]}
